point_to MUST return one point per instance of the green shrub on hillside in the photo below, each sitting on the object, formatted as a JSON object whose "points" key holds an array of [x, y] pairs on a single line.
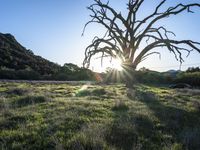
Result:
{"points": [[192, 78]]}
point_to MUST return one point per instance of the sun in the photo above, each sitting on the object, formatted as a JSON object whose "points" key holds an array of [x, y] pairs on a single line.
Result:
{"points": [[116, 64], [97, 66]]}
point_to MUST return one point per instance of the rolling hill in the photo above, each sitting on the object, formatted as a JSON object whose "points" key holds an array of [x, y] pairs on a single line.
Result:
{"points": [[14, 56]]}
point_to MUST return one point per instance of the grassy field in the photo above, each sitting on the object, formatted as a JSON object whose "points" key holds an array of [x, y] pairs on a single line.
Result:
{"points": [[98, 117]]}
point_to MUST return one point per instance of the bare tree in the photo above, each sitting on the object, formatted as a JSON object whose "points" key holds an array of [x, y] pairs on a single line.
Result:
{"points": [[125, 34]]}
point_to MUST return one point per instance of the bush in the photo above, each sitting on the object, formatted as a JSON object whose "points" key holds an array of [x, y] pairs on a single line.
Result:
{"points": [[192, 78], [7, 74], [28, 75], [19, 74]]}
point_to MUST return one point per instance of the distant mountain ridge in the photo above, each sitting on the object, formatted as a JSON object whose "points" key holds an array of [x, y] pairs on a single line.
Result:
{"points": [[14, 56], [172, 73]]}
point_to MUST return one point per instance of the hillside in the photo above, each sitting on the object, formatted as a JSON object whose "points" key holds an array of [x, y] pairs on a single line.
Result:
{"points": [[14, 56]]}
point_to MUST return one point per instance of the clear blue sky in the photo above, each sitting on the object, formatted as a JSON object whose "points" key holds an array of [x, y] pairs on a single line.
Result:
{"points": [[52, 29]]}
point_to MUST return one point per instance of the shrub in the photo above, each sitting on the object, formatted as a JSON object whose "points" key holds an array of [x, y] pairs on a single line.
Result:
{"points": [[192, 78], [19, 74]]}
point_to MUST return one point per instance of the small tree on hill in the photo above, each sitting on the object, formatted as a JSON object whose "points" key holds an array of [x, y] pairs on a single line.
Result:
{"points": [[125, 34]]}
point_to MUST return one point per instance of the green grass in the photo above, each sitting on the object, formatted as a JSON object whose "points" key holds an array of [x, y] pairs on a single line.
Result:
{"points": [[98, 117]]}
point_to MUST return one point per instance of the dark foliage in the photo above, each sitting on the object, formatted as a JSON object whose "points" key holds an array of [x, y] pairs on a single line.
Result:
{"points": [[192, 78], [14, 56], [193, 69], [16, 62], [19, 74], [141, 76], [72, 72]]}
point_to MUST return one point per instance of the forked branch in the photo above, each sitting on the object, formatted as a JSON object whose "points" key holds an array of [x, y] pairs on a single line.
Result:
{"points": [[125, 34]]}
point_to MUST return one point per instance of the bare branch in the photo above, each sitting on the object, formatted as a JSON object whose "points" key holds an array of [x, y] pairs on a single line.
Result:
{"points": [[124, 35], [170, 45], [149, 17], [171, 11]]}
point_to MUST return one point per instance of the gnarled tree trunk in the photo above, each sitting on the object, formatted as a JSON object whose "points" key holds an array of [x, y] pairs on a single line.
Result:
{"points": [[129, 74], [126, 35]]}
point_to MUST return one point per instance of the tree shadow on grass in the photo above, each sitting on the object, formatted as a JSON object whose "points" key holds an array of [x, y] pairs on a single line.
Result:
{"points": [[122, 133], [183, 126], [12, 122], [132, 132]]}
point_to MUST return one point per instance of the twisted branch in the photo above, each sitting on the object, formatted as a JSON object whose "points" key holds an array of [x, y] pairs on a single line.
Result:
{"points": [[124, 35]]}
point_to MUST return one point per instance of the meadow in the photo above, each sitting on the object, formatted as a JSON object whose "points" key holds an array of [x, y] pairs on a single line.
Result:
{"points": [[98, 117]]}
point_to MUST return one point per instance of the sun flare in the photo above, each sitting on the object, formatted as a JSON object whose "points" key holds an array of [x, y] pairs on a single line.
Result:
{"points": [[116, 64], [97, 66]]}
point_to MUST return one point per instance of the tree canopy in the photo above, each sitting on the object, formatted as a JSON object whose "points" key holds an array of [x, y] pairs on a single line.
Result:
{"points": [[125, 33]]}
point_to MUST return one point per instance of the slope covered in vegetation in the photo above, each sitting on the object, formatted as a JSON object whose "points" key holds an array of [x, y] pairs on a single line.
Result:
{"points": [[14, 56], [16, 62], [64, 116]]}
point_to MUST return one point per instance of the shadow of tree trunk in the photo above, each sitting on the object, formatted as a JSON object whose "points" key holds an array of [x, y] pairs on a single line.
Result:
{"points": [[183, 126]]}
